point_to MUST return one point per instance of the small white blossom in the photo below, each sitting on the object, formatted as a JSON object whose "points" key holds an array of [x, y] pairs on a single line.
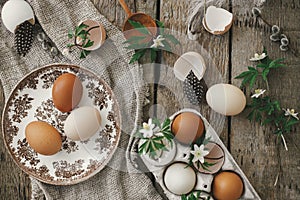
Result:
{"points": [[147, 130], [291, 112], [258, 92], [199, 153], [157, 42], [66, 51], [258, 57]]}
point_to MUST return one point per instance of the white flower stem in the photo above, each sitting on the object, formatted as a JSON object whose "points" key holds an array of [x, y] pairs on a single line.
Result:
{"points": [[276, 180], [284, 142]]}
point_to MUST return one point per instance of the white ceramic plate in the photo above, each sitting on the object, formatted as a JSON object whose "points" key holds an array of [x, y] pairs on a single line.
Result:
{"points": [[77, 161]]}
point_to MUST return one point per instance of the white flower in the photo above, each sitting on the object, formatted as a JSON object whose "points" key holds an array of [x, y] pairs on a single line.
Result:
{"points": [[148, 129], [157, 42], [291, 112], [199, 153], [258, 57], [258, 92], [66, 51]]}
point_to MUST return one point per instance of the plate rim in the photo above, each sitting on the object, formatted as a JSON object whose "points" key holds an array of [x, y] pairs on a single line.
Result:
{"points": [[116, 108]]}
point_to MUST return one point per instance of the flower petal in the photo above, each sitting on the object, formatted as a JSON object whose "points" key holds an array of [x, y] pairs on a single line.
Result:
{"points": [[201, 159], [195, 159]]}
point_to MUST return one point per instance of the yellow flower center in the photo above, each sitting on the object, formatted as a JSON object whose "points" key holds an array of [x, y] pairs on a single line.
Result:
{"points": [[257, 91], [146, 126], [292, 111]]}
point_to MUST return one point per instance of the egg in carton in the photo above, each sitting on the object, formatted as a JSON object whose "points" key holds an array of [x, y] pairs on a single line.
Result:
{"points": [[176, 177], [18, 18]]}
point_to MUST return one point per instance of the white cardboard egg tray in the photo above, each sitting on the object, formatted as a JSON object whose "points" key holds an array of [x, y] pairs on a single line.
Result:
{"points": [[204, 181]]}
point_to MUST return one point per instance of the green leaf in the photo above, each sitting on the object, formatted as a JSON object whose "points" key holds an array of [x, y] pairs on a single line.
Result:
{"points": [[265, 74], [252, 69], [159, 145], [292, 122], [137, 55], [158, 138], [70, 34], [252, 80], [160, 24], [261, 65], [153, 55], [172, 39], [70, 45], [88, 44], [166, 123], [143, 147], [79, 28], [84, 53], [246, 80], [276, 63], [167, 46], [139, 27], [183, 197], [243, 74], [267, 121]]}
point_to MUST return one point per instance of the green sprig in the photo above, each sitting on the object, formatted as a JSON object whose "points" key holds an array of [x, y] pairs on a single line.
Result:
{"points": [[262, 69], [156, 143], [141, 44], [193, 196], [264, 110], [83, 32]]}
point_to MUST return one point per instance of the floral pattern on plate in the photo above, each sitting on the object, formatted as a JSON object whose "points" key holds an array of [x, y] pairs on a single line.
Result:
{"points": [[31, 100]]}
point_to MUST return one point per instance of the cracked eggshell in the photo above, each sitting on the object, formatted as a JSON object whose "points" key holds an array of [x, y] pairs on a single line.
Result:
{"points": [[217, 21], [226, 99], [187, 62], [15, 12], [98, 35]]}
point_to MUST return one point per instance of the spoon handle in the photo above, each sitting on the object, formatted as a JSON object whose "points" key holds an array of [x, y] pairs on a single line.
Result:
{"points": [[125, 7]]}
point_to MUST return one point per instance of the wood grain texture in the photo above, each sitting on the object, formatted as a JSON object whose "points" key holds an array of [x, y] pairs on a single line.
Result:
{"points": [[15, 184], [215, 51], [254, 146]]}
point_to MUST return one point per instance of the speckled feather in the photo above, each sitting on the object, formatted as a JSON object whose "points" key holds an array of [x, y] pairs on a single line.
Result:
{"points": [[193, 88], [24, 38]]}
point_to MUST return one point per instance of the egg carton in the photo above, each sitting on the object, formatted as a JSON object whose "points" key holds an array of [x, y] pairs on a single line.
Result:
{"points": [[204, 181]]}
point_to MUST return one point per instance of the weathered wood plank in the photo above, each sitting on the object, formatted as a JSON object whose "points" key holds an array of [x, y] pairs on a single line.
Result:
{"points": [[253, 146], [214, 49], [14, 184]]}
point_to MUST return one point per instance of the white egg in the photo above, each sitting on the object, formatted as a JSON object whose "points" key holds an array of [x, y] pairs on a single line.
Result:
{"points": [[15, 12], [82, 123], [187, 62], [226, 99], [179, 178]]}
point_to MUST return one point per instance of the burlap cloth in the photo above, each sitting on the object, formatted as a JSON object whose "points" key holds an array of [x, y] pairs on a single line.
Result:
{"points": [[111, 64]]}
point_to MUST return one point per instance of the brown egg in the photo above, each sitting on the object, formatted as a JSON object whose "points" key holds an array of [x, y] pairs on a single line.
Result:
{"points": [[187, 127], [66, 92], [43, 138], [227, 185]]}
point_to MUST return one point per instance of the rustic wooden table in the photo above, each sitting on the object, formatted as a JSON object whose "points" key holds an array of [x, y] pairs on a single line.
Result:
{"points": [[252, 146]]}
